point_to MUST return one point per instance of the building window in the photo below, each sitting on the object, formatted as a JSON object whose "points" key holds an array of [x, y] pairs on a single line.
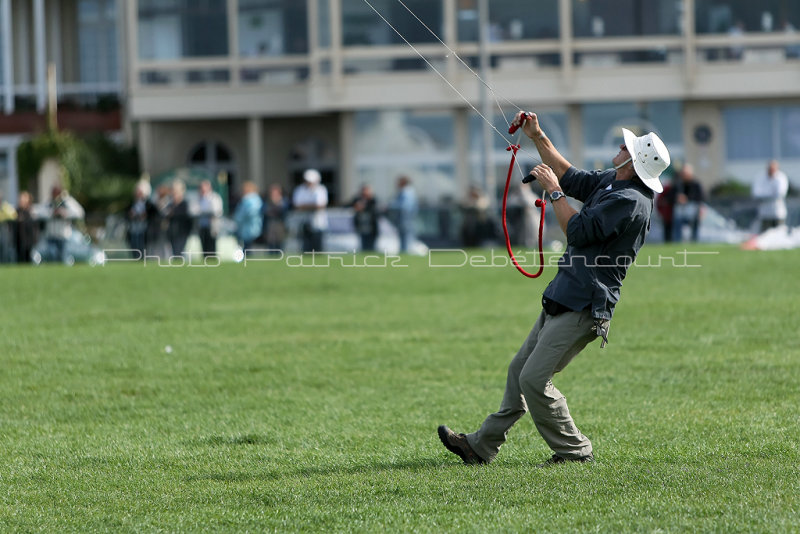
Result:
{"points": [[216, 160], [272, 27], [361, 26], [2, 55], [749, 133], [97, 41], [762, 133], [603, 123], [419, 144], [6, 190], [736, 16], [756, 134], [323, 23], [616, 18], [510, 20], [789, 131], [174, 29]]}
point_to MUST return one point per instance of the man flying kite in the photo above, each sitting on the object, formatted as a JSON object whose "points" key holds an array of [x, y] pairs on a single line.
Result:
{"points": [[603, 239]]}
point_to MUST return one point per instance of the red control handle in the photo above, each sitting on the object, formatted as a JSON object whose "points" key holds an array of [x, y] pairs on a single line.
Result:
{"points": [[514, 127]]}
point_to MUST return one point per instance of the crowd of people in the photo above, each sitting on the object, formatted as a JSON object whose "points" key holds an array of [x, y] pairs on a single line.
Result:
{"points": [[22, 229], [682, 203], [160, 223]]}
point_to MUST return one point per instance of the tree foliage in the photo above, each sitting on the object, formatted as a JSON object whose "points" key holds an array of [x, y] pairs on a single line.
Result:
{"points": [[99, 173]]}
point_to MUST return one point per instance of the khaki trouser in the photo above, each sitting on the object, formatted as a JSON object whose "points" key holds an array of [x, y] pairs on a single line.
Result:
{"points": [[551, 345]]}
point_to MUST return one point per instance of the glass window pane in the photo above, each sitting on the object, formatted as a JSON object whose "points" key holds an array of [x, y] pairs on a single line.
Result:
{"points": [[1, 54], [198, 154], [790, 131], [715, 16], [272, 28], [112, 47], [88, 47], [362, 26], [5, 178], [173, 29], [748, 133], [600, 122], [88, 10], [510, 20], [324, 23], [222, 153], [667, 120], [97, 41], [603, 123], [419, 144], [111, 9], [600, 18]]}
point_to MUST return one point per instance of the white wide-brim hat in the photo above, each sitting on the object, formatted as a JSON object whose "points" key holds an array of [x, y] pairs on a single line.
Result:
{"points": [[312, 176], [650, 157]]}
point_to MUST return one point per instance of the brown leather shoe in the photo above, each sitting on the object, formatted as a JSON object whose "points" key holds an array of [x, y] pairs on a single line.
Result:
{"points": [[458, 444], [556, 459]]}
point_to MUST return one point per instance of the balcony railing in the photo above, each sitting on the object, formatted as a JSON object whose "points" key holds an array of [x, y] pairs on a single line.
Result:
{"points": [[540, 54]]}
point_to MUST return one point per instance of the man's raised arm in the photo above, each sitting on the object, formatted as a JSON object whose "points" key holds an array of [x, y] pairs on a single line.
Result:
{"points": [[550, 156]]}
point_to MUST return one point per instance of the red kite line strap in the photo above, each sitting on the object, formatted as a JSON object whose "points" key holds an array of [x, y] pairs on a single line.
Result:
{"points": [[540, 203]]}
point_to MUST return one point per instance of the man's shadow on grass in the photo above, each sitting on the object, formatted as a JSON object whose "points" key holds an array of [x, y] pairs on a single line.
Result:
{"points": [[445, 460]]}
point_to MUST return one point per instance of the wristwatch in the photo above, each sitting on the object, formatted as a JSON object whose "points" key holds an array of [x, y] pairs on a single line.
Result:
{"points": [[555, 195]]}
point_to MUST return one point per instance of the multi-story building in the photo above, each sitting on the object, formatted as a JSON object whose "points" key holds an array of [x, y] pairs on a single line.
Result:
{"points": [[262, 89], [82, 40]]}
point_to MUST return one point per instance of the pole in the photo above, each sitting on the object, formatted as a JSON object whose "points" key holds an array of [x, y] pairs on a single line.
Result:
{"points": [[8, 57], [487, 163], [52, 98]]}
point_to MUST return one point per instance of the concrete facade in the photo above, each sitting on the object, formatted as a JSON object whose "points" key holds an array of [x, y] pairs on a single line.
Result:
{"points": [[294, 107]]}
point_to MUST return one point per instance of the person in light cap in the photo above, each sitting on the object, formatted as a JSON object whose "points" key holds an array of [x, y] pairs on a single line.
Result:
{"points": [[603, 239], [311, 199]]}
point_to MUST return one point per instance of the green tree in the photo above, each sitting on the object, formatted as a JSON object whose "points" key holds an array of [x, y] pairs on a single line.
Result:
{"points": [[99, 173]]}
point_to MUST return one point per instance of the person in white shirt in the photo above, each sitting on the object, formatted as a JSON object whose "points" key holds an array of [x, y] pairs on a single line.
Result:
{"points": [[311, 199], [770, 189], [208, 212], [64, 212]]}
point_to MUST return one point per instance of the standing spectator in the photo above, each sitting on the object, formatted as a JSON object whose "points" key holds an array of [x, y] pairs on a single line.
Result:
{"points": [[404, 206], [8, 216], [158, 223], [139, 213], [687, 204], [770, 190], [275, 210], [248, 215], [444, 216], [64, 211], [365, 217], [180, 221], [665, 208], [311, 198], [475, 209], [209, 210], [27, 228]]}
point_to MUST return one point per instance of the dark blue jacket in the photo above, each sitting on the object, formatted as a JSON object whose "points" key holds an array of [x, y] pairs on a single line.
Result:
{"points": [[603, 239]]}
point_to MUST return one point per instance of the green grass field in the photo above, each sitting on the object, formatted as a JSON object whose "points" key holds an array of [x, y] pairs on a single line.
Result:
{"points": [[307, 399]]}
